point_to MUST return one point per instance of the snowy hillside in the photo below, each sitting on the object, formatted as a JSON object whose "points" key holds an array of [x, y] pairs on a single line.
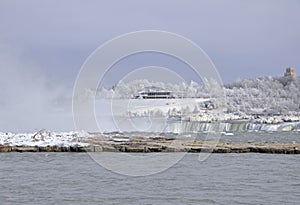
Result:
{"points": [[267, 95], [264, 96]]}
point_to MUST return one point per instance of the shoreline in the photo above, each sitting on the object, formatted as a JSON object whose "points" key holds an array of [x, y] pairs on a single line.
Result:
{"points": [[154, 145]]}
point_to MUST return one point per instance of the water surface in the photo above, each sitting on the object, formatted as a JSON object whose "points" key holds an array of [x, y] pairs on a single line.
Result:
{"points": [[74, 178]]}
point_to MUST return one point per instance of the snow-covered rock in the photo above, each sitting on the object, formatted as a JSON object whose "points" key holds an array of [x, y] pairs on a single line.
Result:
{"points": [[43, 138]]}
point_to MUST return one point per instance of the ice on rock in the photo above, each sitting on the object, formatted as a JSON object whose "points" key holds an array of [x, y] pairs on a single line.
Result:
{"points": [[43, 138]]}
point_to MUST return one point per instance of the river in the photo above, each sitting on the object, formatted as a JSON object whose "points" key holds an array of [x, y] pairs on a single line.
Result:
{"points": [[74, 178]]}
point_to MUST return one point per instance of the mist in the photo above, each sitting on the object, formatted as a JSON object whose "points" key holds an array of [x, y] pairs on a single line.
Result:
{"points": [[29, 100], [44, 44]]}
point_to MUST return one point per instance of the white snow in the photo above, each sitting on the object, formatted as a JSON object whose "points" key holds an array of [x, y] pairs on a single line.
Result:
{"points": [[43, 138], [262, 96]]}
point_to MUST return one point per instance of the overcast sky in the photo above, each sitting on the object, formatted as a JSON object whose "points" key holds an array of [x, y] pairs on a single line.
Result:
{"points": [[44, 43]]}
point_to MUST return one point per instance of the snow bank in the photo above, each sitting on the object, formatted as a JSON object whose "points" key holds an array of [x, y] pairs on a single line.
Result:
{"points": [[43, 138]]}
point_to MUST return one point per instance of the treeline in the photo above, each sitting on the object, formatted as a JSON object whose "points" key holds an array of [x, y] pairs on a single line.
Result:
{"points": [[265, 95]]}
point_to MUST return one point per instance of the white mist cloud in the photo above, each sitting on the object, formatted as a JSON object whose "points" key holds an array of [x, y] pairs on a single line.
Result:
{"points": [[28, 99]]}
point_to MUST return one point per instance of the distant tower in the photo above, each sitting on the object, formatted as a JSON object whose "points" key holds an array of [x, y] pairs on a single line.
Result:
{"points": [[290, 72]]}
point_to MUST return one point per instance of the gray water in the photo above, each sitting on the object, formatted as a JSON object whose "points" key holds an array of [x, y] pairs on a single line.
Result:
{"points": [[273, 137], [74, 178], [254, 136]]}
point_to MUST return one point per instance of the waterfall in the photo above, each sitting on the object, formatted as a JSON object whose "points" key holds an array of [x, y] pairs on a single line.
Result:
{"points": [[238, 126]]}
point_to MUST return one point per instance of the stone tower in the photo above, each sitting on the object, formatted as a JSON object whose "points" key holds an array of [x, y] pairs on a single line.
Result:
{"points": [[290, 72]]}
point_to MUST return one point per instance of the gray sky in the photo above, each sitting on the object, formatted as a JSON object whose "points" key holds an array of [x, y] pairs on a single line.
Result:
{"points": [[44, 43]]}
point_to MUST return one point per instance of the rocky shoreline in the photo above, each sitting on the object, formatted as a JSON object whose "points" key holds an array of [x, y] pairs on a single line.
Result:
{"points": [[148, 145]]}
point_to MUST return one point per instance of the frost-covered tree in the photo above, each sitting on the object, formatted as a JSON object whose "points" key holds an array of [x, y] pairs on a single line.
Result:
{"points": [[264, 95]]}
